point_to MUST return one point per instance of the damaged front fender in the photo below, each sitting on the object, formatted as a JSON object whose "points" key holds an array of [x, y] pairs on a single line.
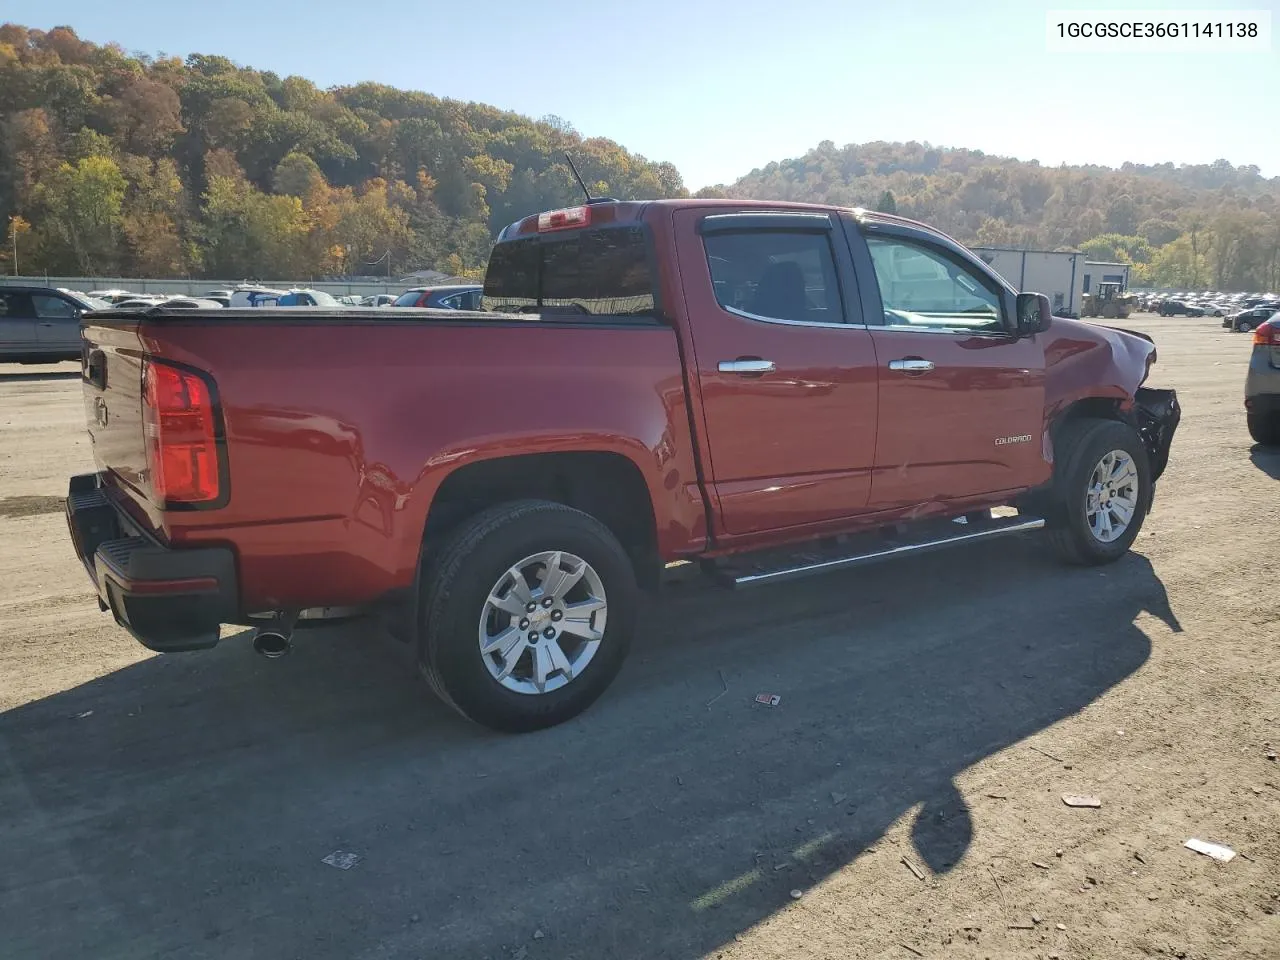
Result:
{"points": [[1156, 414]]}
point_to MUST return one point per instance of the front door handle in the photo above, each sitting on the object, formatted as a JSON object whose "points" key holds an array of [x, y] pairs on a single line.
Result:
{"points": [[911, 365], [747, 366]]}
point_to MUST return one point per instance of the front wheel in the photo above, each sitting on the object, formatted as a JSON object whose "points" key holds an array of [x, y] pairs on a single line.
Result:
{"points": [[1101, 491], [1244, 326], [529, 611]]}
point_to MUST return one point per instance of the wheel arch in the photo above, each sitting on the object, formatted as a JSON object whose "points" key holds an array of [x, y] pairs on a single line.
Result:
{"points": [[608, 485], [1093, 408]]}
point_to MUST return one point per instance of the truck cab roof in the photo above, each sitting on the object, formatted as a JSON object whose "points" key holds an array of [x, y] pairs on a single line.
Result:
{"points": [[621, 211]]}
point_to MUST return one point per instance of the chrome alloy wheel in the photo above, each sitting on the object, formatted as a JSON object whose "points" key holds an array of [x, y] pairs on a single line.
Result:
{"points": [[543, 622], [1112, 497]]}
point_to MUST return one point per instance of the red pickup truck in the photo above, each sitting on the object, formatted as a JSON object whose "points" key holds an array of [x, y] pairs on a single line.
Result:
{"points": [[649, 385]]}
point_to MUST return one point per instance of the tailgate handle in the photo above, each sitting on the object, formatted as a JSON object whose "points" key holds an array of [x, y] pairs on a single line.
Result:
{"points": [[95, 369]]}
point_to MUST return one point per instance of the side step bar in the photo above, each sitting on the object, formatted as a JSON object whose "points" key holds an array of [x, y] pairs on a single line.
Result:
{"points": [[987, 529]]}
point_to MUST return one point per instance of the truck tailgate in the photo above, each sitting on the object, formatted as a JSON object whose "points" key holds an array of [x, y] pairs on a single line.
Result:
{"points": [[112, 385]]}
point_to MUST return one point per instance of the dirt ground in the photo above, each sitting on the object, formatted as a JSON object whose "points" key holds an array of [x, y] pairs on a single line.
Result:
{"points": [[933, 713]]}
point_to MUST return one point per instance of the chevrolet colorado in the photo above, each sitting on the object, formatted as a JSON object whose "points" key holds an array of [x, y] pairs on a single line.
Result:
{"points": [[648, 386]]}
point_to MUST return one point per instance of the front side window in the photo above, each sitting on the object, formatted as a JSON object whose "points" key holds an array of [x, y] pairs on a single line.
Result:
{"points": [[776, 275], [52, 308], [922, 288], [605, 272]]}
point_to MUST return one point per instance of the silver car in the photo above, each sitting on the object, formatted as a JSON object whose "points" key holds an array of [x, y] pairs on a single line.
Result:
{"points": [[41, 324], [1262, 385]]}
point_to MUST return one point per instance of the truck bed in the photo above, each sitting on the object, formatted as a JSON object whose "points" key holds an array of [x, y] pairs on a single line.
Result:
{"points": [[338, 426]]}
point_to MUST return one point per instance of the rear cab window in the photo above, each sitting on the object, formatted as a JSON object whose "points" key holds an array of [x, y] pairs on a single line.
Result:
{"points": [[596, 272]]}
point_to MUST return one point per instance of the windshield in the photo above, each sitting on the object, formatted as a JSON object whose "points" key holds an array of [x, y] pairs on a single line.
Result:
{"points": [[323, 299]]}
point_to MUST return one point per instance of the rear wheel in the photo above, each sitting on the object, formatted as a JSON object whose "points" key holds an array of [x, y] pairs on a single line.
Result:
{"points": [[529, 611], [1101, 491], [1264, 428]]}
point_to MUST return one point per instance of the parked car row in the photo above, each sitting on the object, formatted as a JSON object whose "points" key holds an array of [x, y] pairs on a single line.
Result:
{"points": [[42, 324], [1249, 309], [447, 297]]}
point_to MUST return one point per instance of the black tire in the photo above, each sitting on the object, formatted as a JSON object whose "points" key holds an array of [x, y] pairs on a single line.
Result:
{"points": [[457, 583], [1244, 326], [1079, 447], [1264, 428]]}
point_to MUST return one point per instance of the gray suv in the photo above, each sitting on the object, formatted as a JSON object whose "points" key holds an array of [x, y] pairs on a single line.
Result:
{"points": [[1262, 385], [41, 324]]}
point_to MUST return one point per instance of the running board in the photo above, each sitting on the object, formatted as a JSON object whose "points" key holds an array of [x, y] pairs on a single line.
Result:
{"points": [[988, 528]]}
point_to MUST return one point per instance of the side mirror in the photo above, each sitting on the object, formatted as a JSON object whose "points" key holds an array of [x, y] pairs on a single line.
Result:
{"points": [[1034, 314]]}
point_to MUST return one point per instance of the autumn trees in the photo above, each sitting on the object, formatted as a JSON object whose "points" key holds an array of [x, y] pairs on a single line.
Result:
{"points": [[161, 167], [115, 164]]}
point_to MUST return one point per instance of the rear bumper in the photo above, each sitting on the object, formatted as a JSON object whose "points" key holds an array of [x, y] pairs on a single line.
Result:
{"points": [[1262, 382], [169, 600], [1263, 404]]}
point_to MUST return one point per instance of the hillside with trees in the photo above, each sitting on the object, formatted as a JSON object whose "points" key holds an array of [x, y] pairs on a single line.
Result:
{"points": [[1210, 225], [118, 164]]}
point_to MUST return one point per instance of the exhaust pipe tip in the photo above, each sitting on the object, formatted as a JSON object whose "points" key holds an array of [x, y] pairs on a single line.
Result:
{"points": [[271, 644]]}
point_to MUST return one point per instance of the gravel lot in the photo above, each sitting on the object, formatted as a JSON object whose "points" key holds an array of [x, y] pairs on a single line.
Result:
{"points": [[933, 710]]}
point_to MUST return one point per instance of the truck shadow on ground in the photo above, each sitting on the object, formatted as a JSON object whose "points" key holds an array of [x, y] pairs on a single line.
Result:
{"points": [[184, 803], [1266, 459]]}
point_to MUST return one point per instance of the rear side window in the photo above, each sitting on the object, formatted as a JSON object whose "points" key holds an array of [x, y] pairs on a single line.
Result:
{"points": [[776, 274], [589, 273]]}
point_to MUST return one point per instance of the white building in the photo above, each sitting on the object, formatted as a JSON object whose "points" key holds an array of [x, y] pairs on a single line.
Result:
{"points": [[1102, 271], [1055, 273]]}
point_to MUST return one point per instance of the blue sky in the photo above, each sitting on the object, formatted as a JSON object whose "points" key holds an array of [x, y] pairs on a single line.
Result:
{"points": [[720, 88]]}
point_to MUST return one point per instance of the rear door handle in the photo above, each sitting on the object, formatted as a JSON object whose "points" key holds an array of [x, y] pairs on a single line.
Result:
{"points": [[911, 365], [747, 366]]}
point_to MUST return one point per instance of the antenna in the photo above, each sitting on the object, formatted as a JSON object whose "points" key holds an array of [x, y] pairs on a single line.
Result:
{"points": [[577, 176], [582, 183]]}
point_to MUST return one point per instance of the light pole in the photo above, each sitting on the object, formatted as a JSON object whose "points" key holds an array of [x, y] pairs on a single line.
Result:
{"points": [[13, 232]]}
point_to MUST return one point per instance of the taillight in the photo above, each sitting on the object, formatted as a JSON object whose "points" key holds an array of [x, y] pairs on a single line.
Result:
{"points": [[1267, 335], [565, 219], [179, 422]]}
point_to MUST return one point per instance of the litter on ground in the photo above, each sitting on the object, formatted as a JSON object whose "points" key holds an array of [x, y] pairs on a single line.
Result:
{"points": [[1215, 850], [342, 860], [1080, 800]]}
